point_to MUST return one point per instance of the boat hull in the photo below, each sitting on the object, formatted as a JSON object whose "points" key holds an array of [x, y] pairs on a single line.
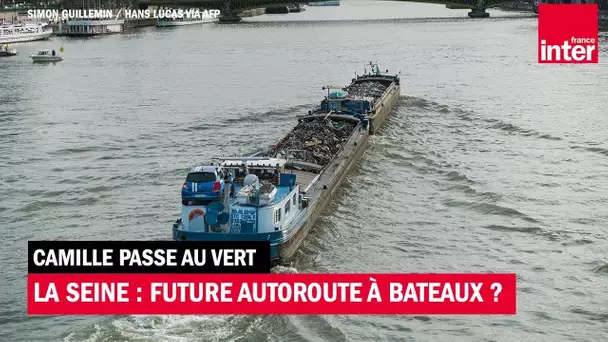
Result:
{"points": [[346, 162], [26, 38], [38, 59], [385, 107], [179, 235]]}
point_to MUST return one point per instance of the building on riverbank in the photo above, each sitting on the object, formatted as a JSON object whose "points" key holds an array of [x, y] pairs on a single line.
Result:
{"points": [[13, 16], [90, 27]]}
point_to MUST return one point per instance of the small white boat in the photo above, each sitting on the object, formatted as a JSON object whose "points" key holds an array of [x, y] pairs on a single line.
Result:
{"points": [[46, 56]]}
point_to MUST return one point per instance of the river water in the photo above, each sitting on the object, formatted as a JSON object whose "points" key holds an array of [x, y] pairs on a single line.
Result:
{"points": [[490, 163]]}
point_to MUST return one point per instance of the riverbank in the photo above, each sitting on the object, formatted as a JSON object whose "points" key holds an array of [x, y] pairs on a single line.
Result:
{"points": [[254, 12], [516, 6], [10, 16]]}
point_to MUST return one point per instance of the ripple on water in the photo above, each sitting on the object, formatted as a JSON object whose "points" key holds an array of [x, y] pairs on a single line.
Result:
{"points": [[602, 269]]}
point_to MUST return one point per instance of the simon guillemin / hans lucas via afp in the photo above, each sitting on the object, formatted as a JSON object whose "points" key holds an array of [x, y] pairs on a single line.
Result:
{"points": [[103, 14]]}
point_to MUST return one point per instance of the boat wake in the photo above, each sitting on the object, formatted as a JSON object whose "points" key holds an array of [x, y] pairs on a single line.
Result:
{"points": [[506, 127], [167, 328], [475, 118], [444, 143], [282, 269], [210, 327]]}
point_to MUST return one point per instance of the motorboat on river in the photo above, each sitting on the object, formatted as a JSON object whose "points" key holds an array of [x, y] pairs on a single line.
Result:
{"points": [[46, 56]]}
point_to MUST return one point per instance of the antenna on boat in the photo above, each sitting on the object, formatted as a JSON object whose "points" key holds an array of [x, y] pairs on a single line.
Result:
{"points": [[329, 88]]}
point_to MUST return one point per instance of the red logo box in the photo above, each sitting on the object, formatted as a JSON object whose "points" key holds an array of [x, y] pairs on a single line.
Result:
{"points": [[568, 34]]}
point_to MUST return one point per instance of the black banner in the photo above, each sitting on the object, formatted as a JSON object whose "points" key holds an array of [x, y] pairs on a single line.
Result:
{"points": [[148, 257]]}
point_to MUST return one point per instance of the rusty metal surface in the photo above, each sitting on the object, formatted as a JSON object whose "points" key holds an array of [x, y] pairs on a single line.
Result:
{"points": [[319, 138]]}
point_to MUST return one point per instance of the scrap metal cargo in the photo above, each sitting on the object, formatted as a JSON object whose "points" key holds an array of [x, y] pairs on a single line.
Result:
{"points": [[277, 194]]}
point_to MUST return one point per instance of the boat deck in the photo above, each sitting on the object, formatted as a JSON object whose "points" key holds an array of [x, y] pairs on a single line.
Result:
{"points": [[303, 178], [282, 191]]}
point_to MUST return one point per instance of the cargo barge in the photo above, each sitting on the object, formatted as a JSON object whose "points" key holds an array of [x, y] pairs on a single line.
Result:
{"points": [[277, 194], [373, 94]]}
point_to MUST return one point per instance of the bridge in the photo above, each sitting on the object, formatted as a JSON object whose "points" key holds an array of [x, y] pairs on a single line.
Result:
{"points": [[478, 7], [231, 8]]}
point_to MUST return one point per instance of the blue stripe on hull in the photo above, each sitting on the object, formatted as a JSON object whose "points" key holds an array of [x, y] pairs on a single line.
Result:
{"points": [[198, 236]]}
